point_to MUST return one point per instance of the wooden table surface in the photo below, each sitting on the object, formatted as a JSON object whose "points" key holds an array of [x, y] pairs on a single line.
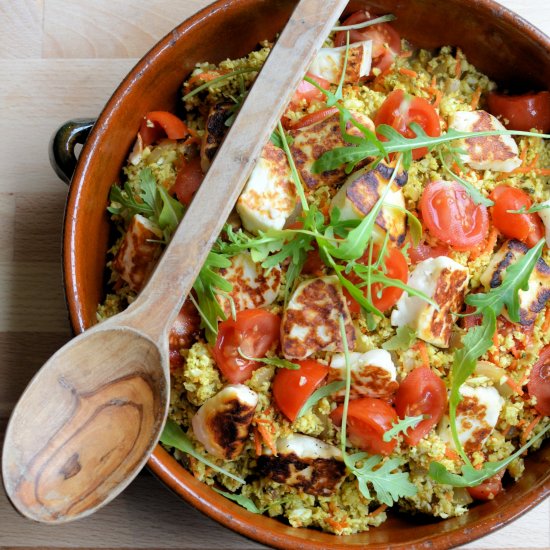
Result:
{"points": [[61, 59]]}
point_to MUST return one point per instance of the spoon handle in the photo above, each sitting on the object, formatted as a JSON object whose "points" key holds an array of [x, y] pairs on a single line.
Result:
{"points": [[159, 302]]}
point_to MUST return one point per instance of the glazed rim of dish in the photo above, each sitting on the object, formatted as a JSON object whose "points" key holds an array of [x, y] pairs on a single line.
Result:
{"points": [[433, 533]]}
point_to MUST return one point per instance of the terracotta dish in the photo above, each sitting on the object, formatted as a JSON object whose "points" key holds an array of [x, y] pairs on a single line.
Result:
{"points": [[495, 40]]}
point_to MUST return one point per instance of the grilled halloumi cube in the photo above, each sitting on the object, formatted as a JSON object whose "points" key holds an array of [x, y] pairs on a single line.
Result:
{"points": [[311, 321], [373, 373], [253, 286], [269, 197], [532, 300], [329, 62], [311, 142], [138, 252], [214, 132], [545, 217], [222, 423], [306, 463], [443, 280], [476, 417], [356, 198], [498, 153]]}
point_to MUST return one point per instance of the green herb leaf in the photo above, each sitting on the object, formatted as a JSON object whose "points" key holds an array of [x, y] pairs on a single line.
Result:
{"points": [[403, 339], [173, 436], [171, 213], [516, 278], [242, 500], [273, 361], [402, 425], [535, 208], [382, 19], [217, 80], [321, 393]]}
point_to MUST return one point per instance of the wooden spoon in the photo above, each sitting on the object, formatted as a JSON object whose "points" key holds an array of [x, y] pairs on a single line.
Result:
{"points": [[90, 418]]}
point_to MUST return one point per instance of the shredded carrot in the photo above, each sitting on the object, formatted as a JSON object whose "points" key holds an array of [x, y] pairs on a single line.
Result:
{"points": [[405, 53], [379, 510], [475, 98], [438, 97], [514, 385], [262, 421], [378, 84], [546, 324], [451, 454], [408, 72], [266, 436], [487, 247], [206, 76], [257, 442], [458, 66], [527, 431], [531, 167], [494, 355], [507, 430], [423, 350], [338, 526]]}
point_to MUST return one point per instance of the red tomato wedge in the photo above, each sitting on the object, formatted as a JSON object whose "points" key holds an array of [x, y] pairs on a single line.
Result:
{"points": [[451, 215], [386, 41], [159, 124], [522, 112], [539, 382], [254, 331], [292, 388], [383, 297], [188, 179], [421, 392], [527, 228], [308, 91], [488, 489], [399, 110], [313, 118], [368, 420]]}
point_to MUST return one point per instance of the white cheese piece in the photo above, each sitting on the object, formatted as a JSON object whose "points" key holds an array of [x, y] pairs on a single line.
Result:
{"points": [[253, 286], [545, 217], [269, 197], [357, 197], [222, 423], [138, 252], [311, 321], [532, 300], [443, 280], [311, 142], [498, 153], [476, 418], [373, 373], [305, 462], [329, 62]]}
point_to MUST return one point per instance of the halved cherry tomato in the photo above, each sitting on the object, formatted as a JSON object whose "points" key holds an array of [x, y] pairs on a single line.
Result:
{"points": [[386, 42], [254, 331], [308, 91], [313, 118], [452, 216], [488, 489], [368, 420], [292, 388], [423, 251], [539, 382], [522, 112], [421, 392], [158, 124], [188, 179], [524, 227], [383, 297], [399, 110]]}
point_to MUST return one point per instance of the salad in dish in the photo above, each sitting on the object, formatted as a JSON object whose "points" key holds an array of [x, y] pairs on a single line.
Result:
{"points": [[371, 329]]}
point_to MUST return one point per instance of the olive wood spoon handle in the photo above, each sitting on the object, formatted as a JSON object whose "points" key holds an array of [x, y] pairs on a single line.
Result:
{"points": [[90, 418]]}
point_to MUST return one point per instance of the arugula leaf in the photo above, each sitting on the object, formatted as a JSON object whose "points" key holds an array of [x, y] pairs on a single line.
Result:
{"points": [[173, 436], [375, 21], [320, 393], [516, 278], [403, 339], [217, 80], [388, 485], [470, 476], [242, 500], [171, 213], [402, 425], [273, 361], [535, 208]]}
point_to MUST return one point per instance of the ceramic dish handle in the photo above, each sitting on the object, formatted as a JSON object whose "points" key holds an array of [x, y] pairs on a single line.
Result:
{"points": [[62, 146]]}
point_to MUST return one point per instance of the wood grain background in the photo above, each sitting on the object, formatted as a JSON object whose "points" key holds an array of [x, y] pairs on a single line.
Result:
{"points": [[61, 59]]}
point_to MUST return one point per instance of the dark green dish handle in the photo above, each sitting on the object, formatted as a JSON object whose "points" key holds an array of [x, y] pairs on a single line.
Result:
{"points": [[62, 146]]}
